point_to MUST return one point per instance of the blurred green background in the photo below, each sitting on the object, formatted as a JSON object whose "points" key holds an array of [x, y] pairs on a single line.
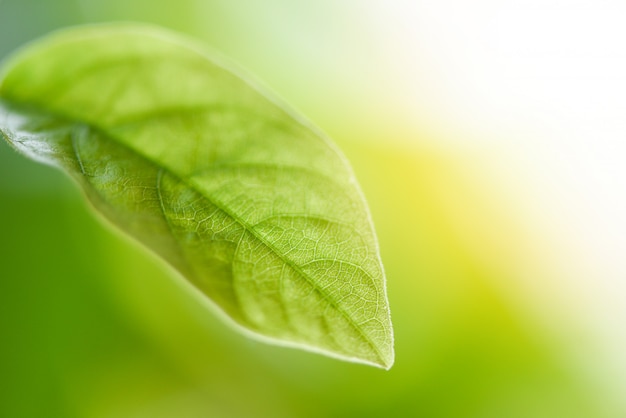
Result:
{"points": [[93, 326]]}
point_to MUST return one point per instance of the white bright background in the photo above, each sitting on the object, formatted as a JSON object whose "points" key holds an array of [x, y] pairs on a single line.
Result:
{"points": [[539, 88]]}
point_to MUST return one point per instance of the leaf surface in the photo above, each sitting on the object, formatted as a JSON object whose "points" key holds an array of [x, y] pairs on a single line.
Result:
{"points": [[246, 200]]}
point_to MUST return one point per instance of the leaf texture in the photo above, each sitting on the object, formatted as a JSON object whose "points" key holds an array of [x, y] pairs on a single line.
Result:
{"points": [[246, 200]]}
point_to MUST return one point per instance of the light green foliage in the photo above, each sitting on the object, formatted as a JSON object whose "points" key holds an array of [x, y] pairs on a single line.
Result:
{"points": [[248, 202]]}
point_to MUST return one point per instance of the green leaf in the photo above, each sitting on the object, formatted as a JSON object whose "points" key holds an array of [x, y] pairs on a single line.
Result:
{"points": [[250, 203]]}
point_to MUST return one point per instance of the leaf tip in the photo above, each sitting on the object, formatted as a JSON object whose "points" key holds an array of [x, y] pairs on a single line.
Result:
{"points": [[386, 358]]}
